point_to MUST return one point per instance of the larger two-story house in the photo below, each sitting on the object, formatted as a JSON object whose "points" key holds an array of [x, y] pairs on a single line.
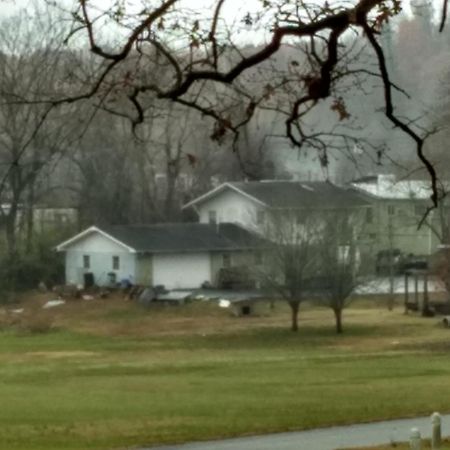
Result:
{"points": [[256, 204], [289, 212], [396, 209]]}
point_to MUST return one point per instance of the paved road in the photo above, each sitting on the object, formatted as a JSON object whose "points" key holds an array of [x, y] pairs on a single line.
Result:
{"points": [[324, 438]]}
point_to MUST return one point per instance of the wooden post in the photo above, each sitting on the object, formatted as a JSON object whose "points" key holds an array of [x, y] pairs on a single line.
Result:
{"points": [[436, 431], [415, 441]]}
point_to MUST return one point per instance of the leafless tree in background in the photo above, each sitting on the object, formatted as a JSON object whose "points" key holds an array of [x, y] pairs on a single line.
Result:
{"points": [[291, 262], [196, 50], [32, 134], [340, 261]]}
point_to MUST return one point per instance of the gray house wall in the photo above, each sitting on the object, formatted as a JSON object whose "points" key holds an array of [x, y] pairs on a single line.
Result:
{"points": [[395, 225], [144, 269], [101, 252], [243, 258]]}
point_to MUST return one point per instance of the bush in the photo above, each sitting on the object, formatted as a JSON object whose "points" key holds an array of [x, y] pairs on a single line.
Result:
{"points": [[26, 271], [32, 320], [33, 323]]}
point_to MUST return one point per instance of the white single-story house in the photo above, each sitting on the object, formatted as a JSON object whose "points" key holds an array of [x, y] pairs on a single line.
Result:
{"points": [[182, 255]]}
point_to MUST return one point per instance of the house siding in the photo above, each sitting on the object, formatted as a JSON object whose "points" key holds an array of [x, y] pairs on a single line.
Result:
{"points": [[100, 251], [144, 270], [244, 258], [181, 270], [231, 207], [398, 207], [395, 226]]}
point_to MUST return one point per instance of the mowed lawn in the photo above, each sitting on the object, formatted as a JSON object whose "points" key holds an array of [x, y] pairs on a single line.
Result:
{"points": [[112, 375]]}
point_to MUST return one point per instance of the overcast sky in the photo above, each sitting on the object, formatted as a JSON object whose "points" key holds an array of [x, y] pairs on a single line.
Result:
{"points": [[233, 11], [234, 7]]}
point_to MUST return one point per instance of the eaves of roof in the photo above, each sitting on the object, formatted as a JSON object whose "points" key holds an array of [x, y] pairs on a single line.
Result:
{"points": [[205, 197], [61, 247], [174, 238], [381, 197]]}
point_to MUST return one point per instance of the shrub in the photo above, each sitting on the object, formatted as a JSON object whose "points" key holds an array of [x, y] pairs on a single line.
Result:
{"points": [[36, 323], [27, 269], [33, 320]]}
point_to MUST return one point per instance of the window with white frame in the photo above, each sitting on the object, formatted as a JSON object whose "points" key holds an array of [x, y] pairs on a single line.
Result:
{"points": [[86, 261]]}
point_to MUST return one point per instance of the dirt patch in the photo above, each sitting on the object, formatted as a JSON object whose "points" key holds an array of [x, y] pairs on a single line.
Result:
{"points": [[365, 328]]}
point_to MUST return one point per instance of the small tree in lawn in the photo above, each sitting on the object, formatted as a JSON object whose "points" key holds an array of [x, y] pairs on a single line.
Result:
{"points": [[339, 262], [292, 258]]}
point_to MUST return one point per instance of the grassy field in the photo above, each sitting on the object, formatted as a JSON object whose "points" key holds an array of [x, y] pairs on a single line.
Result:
{"points": [[112, 375]]}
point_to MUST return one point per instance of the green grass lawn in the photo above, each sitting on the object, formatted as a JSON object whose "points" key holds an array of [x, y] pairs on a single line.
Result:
{"points": [[112, 375]]}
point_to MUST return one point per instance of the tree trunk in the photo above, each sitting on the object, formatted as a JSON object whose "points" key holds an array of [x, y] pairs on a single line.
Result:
{"points": [[294, 315], [391, 267], [11, 243], [30, 219], [169, 207], [391, 300], [10, 229], [338, 318]]}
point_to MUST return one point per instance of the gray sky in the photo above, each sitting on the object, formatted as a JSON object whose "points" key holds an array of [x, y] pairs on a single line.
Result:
{"points": [[232, 13], [234, 7]]}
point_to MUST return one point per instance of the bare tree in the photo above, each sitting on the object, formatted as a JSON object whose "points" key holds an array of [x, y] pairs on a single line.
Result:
{"points": [[32, 134], [339, 261], [291, 261], [174, 154], [195, 50]]}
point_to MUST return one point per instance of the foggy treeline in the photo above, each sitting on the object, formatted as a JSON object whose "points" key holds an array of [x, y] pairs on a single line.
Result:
{"points": [[88, 155]]}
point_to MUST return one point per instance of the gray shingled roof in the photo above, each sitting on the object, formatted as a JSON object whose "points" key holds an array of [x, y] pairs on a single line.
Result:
{"points": [[184, 237], [296, 194]]}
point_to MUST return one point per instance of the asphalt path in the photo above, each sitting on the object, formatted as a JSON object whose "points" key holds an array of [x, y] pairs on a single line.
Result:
{"points": [[323, 438]]}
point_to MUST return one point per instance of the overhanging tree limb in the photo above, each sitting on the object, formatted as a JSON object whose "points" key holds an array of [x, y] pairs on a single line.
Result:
{"points": [[389, 111], [321, 26]]}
